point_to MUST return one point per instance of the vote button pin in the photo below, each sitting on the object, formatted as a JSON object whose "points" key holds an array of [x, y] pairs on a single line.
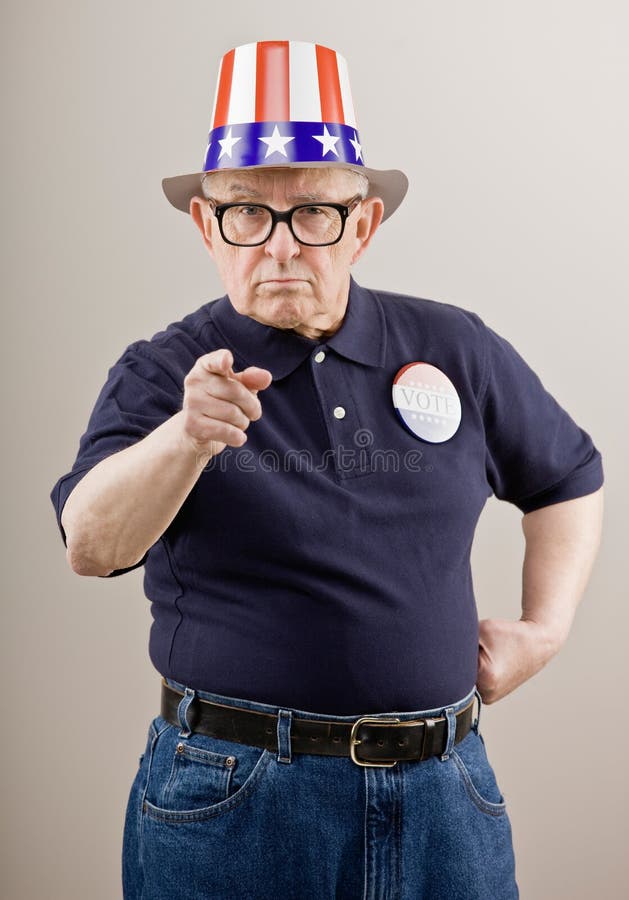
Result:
{"points": [[427, 402]]}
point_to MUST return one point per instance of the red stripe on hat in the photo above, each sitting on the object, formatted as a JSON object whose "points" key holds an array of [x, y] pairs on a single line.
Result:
{"points": [[224, 90], [329, 86], [272, 82]]}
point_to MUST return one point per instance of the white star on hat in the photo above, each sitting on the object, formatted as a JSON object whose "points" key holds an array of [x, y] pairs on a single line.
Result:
{"points": [[328, 141], [357, 147], [276, 143], [227, 144]]}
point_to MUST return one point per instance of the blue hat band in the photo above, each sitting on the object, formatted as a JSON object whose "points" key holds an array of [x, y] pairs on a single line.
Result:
{"points": [[277, 143]]}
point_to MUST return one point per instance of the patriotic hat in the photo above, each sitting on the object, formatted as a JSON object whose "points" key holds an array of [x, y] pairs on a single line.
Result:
{"points": [[284, 103]]}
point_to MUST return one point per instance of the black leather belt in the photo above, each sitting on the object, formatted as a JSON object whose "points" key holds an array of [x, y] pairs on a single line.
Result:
{"points": [[383, 740]]}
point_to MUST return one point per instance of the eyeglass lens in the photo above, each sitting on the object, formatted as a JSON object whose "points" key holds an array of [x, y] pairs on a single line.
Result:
{"points": [[311, 224]]}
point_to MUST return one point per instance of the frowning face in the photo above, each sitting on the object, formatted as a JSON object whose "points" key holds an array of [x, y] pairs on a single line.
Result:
{"points": [[282, 282]]}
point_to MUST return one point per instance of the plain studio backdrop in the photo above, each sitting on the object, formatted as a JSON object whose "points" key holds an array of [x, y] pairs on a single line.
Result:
{"points": [[511, 122]]}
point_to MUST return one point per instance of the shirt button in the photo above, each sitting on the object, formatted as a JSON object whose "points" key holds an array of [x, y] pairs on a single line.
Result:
{"points": [[339, 412], [320, 356]]}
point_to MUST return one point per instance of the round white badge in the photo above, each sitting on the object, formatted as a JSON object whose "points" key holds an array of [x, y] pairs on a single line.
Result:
{"points": [[427, 402]]}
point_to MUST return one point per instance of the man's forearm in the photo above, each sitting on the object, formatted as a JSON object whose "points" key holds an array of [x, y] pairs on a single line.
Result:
{"points": [[125, 503], [562, 541], [561, 545]]}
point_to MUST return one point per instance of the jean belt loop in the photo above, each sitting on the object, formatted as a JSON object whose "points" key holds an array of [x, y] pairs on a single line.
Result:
{"points": [[182, 712], [451, 718], [284, 720], [476, 721]]}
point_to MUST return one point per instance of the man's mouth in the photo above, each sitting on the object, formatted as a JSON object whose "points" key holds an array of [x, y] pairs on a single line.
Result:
{"points": [[282, 283]]}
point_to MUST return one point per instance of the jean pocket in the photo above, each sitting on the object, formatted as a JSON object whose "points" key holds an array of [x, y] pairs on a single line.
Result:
{"points": [[200, 777], [477, 774]]}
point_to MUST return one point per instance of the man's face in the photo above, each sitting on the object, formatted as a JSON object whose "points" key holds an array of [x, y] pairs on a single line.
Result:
{"points": [[282, 282]]}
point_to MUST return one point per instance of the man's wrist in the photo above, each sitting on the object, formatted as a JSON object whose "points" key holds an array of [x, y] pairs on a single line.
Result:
{"points": [[549, 637], [198, 457]]}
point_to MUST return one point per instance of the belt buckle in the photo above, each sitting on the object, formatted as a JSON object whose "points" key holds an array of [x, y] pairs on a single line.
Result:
{"points": [[353, 742]]}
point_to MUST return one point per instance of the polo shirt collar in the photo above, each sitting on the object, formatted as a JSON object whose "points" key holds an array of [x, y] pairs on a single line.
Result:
{"points": [[361, 337]]}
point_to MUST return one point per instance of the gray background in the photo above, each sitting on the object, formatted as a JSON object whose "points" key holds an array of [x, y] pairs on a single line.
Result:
{"points": [[511, 122]]}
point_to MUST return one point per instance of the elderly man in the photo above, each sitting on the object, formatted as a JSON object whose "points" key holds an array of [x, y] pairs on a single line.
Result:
{"points": [[300, 466]]}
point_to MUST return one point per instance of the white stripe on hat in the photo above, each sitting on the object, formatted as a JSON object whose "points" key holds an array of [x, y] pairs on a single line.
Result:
{"points": [[305, 102], [346, 93], [242, 101]]}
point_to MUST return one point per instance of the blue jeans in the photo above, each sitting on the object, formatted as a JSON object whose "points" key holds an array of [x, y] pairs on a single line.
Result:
{"points": [[209, 818]]}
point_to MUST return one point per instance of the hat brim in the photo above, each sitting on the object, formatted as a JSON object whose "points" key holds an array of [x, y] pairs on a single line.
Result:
{"points": [[390, 185]]}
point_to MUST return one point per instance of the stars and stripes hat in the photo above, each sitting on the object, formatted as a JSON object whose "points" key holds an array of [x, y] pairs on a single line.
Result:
{"points": [[285, 103]]}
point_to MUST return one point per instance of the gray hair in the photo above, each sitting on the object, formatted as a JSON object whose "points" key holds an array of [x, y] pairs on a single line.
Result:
{"points": [[362, 185]]}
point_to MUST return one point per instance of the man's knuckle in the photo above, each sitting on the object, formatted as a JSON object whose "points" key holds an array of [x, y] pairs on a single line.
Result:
{"points": [[239, 419], [251, 406], [236, 436]]}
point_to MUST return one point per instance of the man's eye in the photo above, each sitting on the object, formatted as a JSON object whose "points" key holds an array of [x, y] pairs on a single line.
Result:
{"points": [[251, 211], [313, 210]]}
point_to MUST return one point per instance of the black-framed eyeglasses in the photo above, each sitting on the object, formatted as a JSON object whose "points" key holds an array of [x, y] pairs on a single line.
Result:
{"points": [[312, 224]]}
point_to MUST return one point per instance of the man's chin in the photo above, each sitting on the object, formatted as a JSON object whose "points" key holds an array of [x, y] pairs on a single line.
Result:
{"points": [[281, 309]]}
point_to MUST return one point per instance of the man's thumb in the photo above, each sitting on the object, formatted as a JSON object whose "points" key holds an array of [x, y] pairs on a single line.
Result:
{"points": [[255, 379]]}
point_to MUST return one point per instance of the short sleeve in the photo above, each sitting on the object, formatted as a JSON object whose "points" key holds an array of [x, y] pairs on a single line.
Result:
{"points": [[536, 454], [139, 394]]}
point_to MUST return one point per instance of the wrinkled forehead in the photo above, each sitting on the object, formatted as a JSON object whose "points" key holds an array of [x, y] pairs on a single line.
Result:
{"points": [[320, 183]]}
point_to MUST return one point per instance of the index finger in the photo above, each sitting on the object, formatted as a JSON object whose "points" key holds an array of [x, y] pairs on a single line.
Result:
{"points": [[218, 362]]}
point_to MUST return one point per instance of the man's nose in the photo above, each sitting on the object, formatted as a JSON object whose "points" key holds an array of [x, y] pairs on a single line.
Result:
{"points": [[281, 246]]}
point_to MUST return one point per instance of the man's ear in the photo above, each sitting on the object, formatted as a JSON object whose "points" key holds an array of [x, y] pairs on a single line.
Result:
{"points": [[202, 218], [371, 212]]}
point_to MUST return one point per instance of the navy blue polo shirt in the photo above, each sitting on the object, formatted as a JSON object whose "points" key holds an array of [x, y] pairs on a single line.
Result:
{"points": [[325, 565]]}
